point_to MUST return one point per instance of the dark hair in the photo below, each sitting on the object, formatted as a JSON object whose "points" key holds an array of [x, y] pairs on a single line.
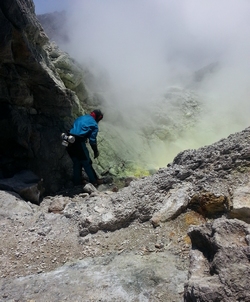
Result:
{"points": [[97, 114]]}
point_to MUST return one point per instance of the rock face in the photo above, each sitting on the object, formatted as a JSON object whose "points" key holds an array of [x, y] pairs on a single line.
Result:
{"points": [[219, 262], [35, 104], [205, 180], [241, 204]]}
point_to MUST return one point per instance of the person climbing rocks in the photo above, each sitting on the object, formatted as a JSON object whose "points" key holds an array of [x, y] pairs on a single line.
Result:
{"points": [[85, 128]]}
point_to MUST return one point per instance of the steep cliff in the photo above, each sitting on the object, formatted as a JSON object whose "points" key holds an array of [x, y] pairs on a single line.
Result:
{"points": [[36, 104]]}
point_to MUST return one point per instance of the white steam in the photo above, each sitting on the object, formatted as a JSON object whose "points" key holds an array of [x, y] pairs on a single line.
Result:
{"points": [[146, 46]]}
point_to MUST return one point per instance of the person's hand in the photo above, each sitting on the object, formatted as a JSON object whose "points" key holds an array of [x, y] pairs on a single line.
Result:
{"points": [[95, 149]]}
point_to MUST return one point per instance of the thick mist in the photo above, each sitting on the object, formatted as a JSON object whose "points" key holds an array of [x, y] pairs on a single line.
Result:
{"points": [[139, 49]]}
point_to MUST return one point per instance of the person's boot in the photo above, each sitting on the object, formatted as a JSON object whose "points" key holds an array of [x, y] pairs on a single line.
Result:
{"points": [[99, 181], [104, 180], [107, 180]]}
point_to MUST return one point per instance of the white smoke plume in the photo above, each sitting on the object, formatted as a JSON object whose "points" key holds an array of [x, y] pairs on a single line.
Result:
{"points": [[146, 46]]}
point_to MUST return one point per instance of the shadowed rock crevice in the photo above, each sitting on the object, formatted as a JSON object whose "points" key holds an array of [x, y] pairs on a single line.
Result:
{"points": [[203, 243]]}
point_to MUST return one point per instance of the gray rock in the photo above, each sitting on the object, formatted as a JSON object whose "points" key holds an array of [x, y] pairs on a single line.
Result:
{"points": [[89, 188], [173, 204], [125, 277], [219, 267], [31, 84], [12, 205], [110, 231], [241, 204]]}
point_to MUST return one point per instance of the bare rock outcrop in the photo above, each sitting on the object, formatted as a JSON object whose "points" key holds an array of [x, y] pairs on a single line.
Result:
{"points": [[35, 104], [144, 227], [219, 263], [205, 180]]}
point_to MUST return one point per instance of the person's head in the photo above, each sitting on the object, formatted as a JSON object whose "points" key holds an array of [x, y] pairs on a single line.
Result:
{"points": [[97, 115]]}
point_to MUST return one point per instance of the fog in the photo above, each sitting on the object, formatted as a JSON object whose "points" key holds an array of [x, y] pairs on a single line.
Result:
{"points": [[144, 47]]}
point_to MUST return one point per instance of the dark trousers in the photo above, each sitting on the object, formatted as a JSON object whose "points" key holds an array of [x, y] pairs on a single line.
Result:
{"points": [[79, 154]]}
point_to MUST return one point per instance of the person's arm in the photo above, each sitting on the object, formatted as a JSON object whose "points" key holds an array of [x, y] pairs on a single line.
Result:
{"points": [[93, 141], [95, 150]]}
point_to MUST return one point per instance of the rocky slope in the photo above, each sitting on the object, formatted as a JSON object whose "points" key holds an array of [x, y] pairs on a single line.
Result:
{"points": [[180, 234], [172, 236]]}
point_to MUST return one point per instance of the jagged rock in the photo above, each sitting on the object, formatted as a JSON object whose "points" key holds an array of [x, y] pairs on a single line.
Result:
{"points": [[94, 224], [35, 104], [219, 266], [71, 78], [164, 195]]}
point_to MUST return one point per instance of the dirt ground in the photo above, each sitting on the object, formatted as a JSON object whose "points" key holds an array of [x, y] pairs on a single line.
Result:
{"points": [[45, 241]]}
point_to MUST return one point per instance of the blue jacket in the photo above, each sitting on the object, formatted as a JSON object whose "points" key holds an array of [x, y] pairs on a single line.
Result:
{"points": [[87, 127]]}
